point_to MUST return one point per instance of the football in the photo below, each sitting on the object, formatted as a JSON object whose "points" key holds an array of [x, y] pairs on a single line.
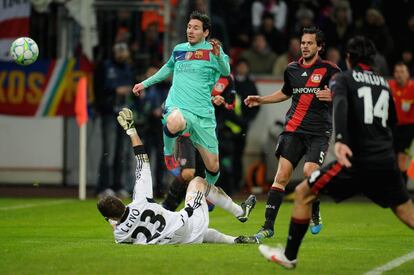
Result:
{"points": [[24, 51]]}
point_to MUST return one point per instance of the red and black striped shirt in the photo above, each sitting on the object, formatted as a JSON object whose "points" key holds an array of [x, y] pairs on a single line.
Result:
{"points": [[308, 114]]}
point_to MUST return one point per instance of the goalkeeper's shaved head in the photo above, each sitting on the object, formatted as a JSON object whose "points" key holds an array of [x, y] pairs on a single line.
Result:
{"points": [[111, 207]]}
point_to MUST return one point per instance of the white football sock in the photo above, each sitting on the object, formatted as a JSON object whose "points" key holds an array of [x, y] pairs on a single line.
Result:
{"points": [[213, 236], [218, 197]]}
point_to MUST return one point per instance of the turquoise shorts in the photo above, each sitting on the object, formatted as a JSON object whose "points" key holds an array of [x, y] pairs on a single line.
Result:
{"points": [[202, 130]]}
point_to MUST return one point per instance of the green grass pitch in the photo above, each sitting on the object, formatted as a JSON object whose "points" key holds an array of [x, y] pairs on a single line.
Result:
{"points": [[51, 236]]}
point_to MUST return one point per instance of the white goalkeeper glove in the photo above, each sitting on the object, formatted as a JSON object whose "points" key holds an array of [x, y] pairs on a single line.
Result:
{"points": [[126, 120]]}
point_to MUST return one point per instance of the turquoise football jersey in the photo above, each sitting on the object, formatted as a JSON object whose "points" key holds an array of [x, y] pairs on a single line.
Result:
{"points": [[195, 71]]}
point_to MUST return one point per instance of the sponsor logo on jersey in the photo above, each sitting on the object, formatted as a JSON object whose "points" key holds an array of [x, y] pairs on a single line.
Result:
{"points": [[188, 55], [305, 90], [191, 55]]}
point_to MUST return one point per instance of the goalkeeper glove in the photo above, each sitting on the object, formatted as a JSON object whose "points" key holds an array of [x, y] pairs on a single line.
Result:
{"points": [[196, 204], [126, 120]]}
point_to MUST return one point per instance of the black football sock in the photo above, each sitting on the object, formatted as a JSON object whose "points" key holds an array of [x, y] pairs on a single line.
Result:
{"points": [[316, 207], [405, 177], [274, 200], [297, 231], [176, 194]]}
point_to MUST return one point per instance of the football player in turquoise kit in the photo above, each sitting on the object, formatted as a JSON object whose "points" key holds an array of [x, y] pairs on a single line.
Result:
{"points": [[196, 66]]}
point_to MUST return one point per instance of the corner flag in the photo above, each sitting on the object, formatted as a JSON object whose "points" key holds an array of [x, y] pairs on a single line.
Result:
{"points": [[81, 102]]}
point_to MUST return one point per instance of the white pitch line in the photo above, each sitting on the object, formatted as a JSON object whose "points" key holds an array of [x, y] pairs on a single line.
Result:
{"points": [[22, 206], [391, 265]]}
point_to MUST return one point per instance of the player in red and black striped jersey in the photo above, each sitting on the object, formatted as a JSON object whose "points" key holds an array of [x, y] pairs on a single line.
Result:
{"points": [[308, 123], [364, 114]]}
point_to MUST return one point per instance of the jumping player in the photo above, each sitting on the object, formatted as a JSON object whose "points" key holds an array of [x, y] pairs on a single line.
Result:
{"points": [[308, 123], [191, 164], [364, 115], [145, 222], [196, 67]]}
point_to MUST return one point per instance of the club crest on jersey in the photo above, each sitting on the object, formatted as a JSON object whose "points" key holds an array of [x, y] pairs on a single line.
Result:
{"points": [[183, 161], [188, 55], [219, 87], [199, 54], [316, 78]]}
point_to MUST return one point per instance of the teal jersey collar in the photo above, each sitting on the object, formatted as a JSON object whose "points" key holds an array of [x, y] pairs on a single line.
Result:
{"points": [[198, 45]]}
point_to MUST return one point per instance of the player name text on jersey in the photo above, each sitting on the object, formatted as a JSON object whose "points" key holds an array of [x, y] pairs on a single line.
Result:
{"points": [[133, 215], [369, 78]]}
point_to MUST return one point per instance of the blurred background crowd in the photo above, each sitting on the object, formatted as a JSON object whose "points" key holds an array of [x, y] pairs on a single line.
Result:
{"points": [[265, 32], [134, 39]]}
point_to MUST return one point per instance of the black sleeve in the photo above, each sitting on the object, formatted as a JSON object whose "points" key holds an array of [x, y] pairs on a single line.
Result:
{"points": [[334, 70], [340, 107], [139, 150], [229, 92], [286, 89]]}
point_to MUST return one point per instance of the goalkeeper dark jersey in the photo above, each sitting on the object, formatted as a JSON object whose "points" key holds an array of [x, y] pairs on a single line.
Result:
{"points": [[364, 114], [307, 113]]}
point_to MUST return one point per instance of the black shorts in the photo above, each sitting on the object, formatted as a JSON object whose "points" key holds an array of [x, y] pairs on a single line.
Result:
{"points": [[293, 146], [403, 136], [384, 187], [188, 156]]}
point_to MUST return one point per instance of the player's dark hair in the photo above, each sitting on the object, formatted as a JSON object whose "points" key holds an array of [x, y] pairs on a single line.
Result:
{"points": [[111, 207], [361, 50], [203, 18], [320, 37], [242, 60], [267, 15]]}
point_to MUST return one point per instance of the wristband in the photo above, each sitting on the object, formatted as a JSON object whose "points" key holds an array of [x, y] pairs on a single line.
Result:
{"points": [[131, 132]]}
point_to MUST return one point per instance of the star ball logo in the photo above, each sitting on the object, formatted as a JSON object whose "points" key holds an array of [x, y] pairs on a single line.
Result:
{"points": [[316, 78]]}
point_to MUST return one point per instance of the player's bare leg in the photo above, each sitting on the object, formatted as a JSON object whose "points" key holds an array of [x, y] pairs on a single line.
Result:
{"points": [[275, 197], [175, 124], [403, 160], [405, 212], [211, 161], [316, 218]]}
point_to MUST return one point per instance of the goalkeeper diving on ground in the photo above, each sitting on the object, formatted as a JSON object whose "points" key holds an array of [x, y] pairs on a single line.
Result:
{"points": [[144, 221]]}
